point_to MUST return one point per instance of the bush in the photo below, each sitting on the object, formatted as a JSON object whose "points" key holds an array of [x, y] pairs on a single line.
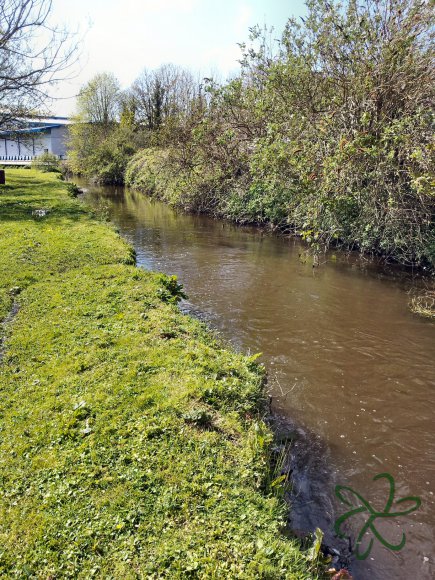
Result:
{"points": [[141, 171], [100, 153], [328, 135], [47, 162], [330, 138], [72, 189]]}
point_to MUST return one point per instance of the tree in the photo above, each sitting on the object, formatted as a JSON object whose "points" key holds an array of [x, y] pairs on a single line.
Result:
{"points": [[98, 153], [99, 100], [33, 56], [163, 93], [99, 145], [359, 80]]}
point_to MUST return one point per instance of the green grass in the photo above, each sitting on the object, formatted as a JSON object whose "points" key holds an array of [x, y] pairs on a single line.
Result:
{"points": [[130, 444]]}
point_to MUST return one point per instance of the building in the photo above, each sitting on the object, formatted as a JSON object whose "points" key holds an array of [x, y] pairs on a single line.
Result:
{"points": [[37, 136]]}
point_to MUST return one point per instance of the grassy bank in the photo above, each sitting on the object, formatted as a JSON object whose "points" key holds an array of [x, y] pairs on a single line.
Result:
{"points": [[130, 445]]}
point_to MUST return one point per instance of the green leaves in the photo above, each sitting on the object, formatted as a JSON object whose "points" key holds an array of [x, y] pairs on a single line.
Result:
{"points": [[171, 290], [314, 551], [330, 126]]}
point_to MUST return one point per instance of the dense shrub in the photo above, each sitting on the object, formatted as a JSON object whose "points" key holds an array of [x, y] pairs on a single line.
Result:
{"points": [[142, 170], [330, 136], [46, 162], [99, 152]]}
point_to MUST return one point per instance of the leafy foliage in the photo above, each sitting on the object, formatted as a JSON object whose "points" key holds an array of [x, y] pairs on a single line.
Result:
{"points": [[329, 134], [100, 152], [47, 162], [98, 100]]}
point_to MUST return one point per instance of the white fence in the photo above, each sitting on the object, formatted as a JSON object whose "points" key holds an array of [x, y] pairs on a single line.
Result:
{"points": [[17, 157], [24, 157]]}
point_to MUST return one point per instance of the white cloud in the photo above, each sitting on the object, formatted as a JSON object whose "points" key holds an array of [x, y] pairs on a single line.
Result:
{"points": [[243, 19]]}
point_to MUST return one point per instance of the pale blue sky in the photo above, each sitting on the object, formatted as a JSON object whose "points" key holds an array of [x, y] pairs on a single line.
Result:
{"points": [[125, 36]]}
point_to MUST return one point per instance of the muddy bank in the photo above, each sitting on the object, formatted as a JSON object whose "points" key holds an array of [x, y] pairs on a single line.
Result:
{"points": [[305, 459]]}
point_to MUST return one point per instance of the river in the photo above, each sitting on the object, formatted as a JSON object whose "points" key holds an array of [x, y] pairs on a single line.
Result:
{"points": [[349, 366]]}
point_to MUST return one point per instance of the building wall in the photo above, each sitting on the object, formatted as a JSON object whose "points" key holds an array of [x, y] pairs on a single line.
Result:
{"points": [[30, 146], [8, 148], [42, 143], [26, 148], [59, 136]]}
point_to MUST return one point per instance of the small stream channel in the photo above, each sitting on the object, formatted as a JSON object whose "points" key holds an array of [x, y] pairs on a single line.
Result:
{"points": [[350, 367]]}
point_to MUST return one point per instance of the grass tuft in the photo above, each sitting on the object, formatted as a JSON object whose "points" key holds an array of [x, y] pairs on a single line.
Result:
{"points": [[424, 304]]}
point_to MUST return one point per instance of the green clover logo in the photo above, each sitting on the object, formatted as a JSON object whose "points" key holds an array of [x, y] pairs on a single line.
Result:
{"points": [[373, 515]]}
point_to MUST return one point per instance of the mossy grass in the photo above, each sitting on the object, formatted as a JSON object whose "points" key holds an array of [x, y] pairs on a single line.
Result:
{"points": [[130, 439]]}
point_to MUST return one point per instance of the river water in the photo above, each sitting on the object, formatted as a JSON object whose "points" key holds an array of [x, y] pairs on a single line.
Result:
{"points": [[349, 365]]}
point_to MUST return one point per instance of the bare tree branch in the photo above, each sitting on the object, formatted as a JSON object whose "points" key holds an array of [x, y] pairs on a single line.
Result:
{"points": [[30, 62]]}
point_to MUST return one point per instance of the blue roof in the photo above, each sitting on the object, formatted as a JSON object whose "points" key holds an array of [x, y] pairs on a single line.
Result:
{"points": [[41, 129]]}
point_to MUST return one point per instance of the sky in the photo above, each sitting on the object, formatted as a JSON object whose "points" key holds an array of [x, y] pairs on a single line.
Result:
{"points": [[124, 37]]}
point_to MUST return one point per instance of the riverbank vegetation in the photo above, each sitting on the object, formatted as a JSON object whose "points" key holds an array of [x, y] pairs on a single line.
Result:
{"points": [[424, 304], [326, 133], [131, 441]]}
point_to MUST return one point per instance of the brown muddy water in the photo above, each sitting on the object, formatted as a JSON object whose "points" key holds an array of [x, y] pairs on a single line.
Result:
{"points": [[349, 366]]}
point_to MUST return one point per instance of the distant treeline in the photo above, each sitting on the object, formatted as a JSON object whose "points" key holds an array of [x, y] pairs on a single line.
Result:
{"points": [[327, 133]]}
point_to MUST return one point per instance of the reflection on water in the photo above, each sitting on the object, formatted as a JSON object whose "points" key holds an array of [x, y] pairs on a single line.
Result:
{"points": [[347, 361]]}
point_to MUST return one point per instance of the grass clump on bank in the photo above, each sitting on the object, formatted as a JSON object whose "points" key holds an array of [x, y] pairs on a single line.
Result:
{"points": [[129, 443], [424, 304]]}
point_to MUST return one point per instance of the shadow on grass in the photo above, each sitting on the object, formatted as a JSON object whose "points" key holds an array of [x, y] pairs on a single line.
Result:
{"points": [[22, 196], [23, 211], [6, 188]]}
